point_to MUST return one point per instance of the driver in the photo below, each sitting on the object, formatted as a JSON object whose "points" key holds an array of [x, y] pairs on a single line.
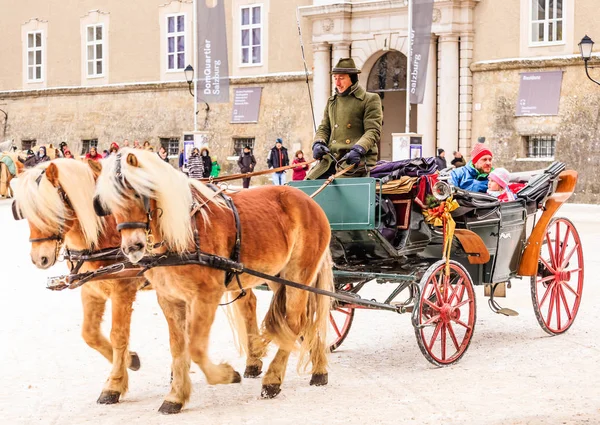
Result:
{"points": [[351, 126], [474, 176]]}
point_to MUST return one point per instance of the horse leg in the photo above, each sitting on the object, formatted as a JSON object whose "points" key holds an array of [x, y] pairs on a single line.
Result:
{"points": [[93, 310], [122, 297], [287, 318], [181, 387], [255, 345], [202, 315]]}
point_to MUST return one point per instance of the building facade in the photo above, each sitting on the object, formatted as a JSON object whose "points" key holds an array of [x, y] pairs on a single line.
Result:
{"points": [[100, 71]]}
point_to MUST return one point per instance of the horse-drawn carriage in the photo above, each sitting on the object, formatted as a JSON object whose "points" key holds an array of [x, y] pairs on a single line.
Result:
{"points": [[492, 243]]}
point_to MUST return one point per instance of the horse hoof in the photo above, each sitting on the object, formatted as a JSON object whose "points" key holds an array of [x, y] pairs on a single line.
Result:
{"points": [[252, 372], [109, 397], [134, 363], [237, 378], [270, 391], [319, 379], [170, 408]]}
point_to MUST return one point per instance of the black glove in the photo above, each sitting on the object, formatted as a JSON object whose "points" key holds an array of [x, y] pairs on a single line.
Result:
{"points": [[320, 149], [355, 155]]}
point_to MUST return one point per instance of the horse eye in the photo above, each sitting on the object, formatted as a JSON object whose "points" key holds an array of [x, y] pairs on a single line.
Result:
{"points": [[136, 196]]}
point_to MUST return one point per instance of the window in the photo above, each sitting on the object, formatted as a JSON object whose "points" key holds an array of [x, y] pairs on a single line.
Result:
{"points": [[86, 145], [28, 144], [541, 146], [546, 21], [239, 143], [171, 145], [95, 50], [34, 56], [251, 35], [175, 42]]}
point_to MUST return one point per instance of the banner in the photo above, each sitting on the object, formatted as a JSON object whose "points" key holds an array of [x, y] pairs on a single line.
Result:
{"points": [[539, 93], [213, 66], [420, 41]]}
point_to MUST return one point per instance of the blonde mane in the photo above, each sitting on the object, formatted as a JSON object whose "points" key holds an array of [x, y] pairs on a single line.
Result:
{"points": [[41, 203], [156, 179]]}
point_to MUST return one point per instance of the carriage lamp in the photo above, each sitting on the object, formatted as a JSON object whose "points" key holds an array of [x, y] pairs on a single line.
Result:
{"points": [[585, 47], [189, 77], [441, 190]]}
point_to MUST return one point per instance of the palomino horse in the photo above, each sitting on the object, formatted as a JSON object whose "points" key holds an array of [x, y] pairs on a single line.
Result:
{"points": [[283, 232], [56, 198]]}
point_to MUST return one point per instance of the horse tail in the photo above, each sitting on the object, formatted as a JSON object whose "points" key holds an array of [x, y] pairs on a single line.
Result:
{"points": [[317, 324], [235, 317], [275, 325]]}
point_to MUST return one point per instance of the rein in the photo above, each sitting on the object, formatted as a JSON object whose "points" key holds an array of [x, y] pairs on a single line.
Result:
{"points": [[254, 173]]}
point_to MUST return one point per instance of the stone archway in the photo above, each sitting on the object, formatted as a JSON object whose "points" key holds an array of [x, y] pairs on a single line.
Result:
{"points": [[387, 77]]}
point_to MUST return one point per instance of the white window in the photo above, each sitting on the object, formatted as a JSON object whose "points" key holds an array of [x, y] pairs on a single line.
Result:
{"points": [[175, 42], [541, 146], [34, 56], [251, 35], [547, 22], [95, 50]]}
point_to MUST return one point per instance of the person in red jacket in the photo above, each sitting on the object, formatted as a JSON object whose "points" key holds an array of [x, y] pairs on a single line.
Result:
{"points": [[300, 171], [93, 154]]}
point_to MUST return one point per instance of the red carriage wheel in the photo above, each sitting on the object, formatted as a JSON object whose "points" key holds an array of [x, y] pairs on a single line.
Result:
{"points": [[340, 321], [446, 314], [557, 288]]}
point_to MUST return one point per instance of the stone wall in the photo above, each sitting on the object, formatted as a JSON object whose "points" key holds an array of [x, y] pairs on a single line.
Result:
{"points": [[151, 111], [576, 127]]}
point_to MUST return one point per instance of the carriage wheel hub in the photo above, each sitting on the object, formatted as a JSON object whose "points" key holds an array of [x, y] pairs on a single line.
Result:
{"points": [[448, 313], [563, 276]]}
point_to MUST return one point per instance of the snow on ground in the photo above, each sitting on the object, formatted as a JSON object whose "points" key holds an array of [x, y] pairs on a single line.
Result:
{"points": [[513, 373]]}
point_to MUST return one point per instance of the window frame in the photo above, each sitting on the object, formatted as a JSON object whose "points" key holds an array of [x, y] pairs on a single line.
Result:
{"points": [[35, 49], [30, 142], [237, 150], [546, 22], [168, 143], [90, 143], [545, 139], [250, 26], [95, 43], [175, 35]]}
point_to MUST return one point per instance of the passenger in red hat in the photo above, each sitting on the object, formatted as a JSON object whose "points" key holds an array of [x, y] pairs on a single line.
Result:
{"points": [[114, 148], [474, 176]]}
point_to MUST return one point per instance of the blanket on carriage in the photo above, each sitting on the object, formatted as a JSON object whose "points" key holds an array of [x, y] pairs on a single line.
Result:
{"points": [[394, 170]]}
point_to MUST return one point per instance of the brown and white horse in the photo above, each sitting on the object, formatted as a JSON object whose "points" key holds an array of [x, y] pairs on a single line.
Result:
{"points": [[283, 232], [56, 199]]}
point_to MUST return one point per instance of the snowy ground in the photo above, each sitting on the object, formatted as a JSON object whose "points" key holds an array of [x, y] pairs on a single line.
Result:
{"points": [[513, 373]]}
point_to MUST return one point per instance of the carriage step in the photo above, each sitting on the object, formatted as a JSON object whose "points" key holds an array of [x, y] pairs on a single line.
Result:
{"points": [[507, 312]]}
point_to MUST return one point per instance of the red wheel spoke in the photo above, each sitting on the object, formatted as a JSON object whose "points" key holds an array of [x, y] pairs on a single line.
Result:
{"points": [[574, 270], [463, 324], [443, 341], [564, 300], [557, 247], [335, 326], [341, 310], [571, 289], [557, 305], [458, 285], [548, 291], [551, 307], [548, 266], [437, 291], [435, 334], [432, 320], [550, 251], [432, 305], [546, 279], [459, 305], [453, 336], [568, 257], [565, 243]]}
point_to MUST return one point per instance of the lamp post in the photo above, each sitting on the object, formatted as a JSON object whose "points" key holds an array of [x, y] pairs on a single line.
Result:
{"points": [[585, 47], [189, 78]]}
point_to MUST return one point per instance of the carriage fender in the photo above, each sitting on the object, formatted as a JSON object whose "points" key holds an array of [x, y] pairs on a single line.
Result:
{"points": [[531, 254], [472, 244]]}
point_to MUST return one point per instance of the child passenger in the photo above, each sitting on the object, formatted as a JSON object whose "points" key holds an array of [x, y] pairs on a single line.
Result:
{"points": [[498, 185]]}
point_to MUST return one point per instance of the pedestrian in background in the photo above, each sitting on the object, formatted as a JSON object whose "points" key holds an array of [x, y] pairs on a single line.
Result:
{"points": [[300, 171], [136, 145], [278, 157], [195, 166], [206, 161], [247, 162], [125, 143], [114, 148], [182, 161], [215, 168], [459, 160], [440, 159], [93, 154], [147, 146], [162, 153]]}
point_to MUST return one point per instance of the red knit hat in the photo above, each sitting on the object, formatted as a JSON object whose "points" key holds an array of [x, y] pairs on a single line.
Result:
{"points": [[478, 151]]}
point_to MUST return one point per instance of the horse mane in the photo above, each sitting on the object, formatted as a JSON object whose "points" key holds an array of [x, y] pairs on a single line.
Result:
{"points": [[42, 206], [156, 179]]}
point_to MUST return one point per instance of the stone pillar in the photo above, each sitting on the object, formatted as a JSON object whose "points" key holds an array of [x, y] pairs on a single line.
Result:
{"points": [[321, 78], [449, 94], [466, 93], [427, 115]]}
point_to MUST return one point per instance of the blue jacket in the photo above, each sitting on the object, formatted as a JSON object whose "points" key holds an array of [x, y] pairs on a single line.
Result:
{"points": [[468, 178]]}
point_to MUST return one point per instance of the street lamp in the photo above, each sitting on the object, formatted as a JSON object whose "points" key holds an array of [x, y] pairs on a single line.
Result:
{"points": [[585, 47], [189, 77]]}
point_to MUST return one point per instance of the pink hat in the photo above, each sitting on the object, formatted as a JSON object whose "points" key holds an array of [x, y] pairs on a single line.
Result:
{"points": [[478, 151], [500, 176]]}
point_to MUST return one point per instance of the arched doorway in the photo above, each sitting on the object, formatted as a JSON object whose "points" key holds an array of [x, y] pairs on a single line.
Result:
{"points": [[388, 79]]}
